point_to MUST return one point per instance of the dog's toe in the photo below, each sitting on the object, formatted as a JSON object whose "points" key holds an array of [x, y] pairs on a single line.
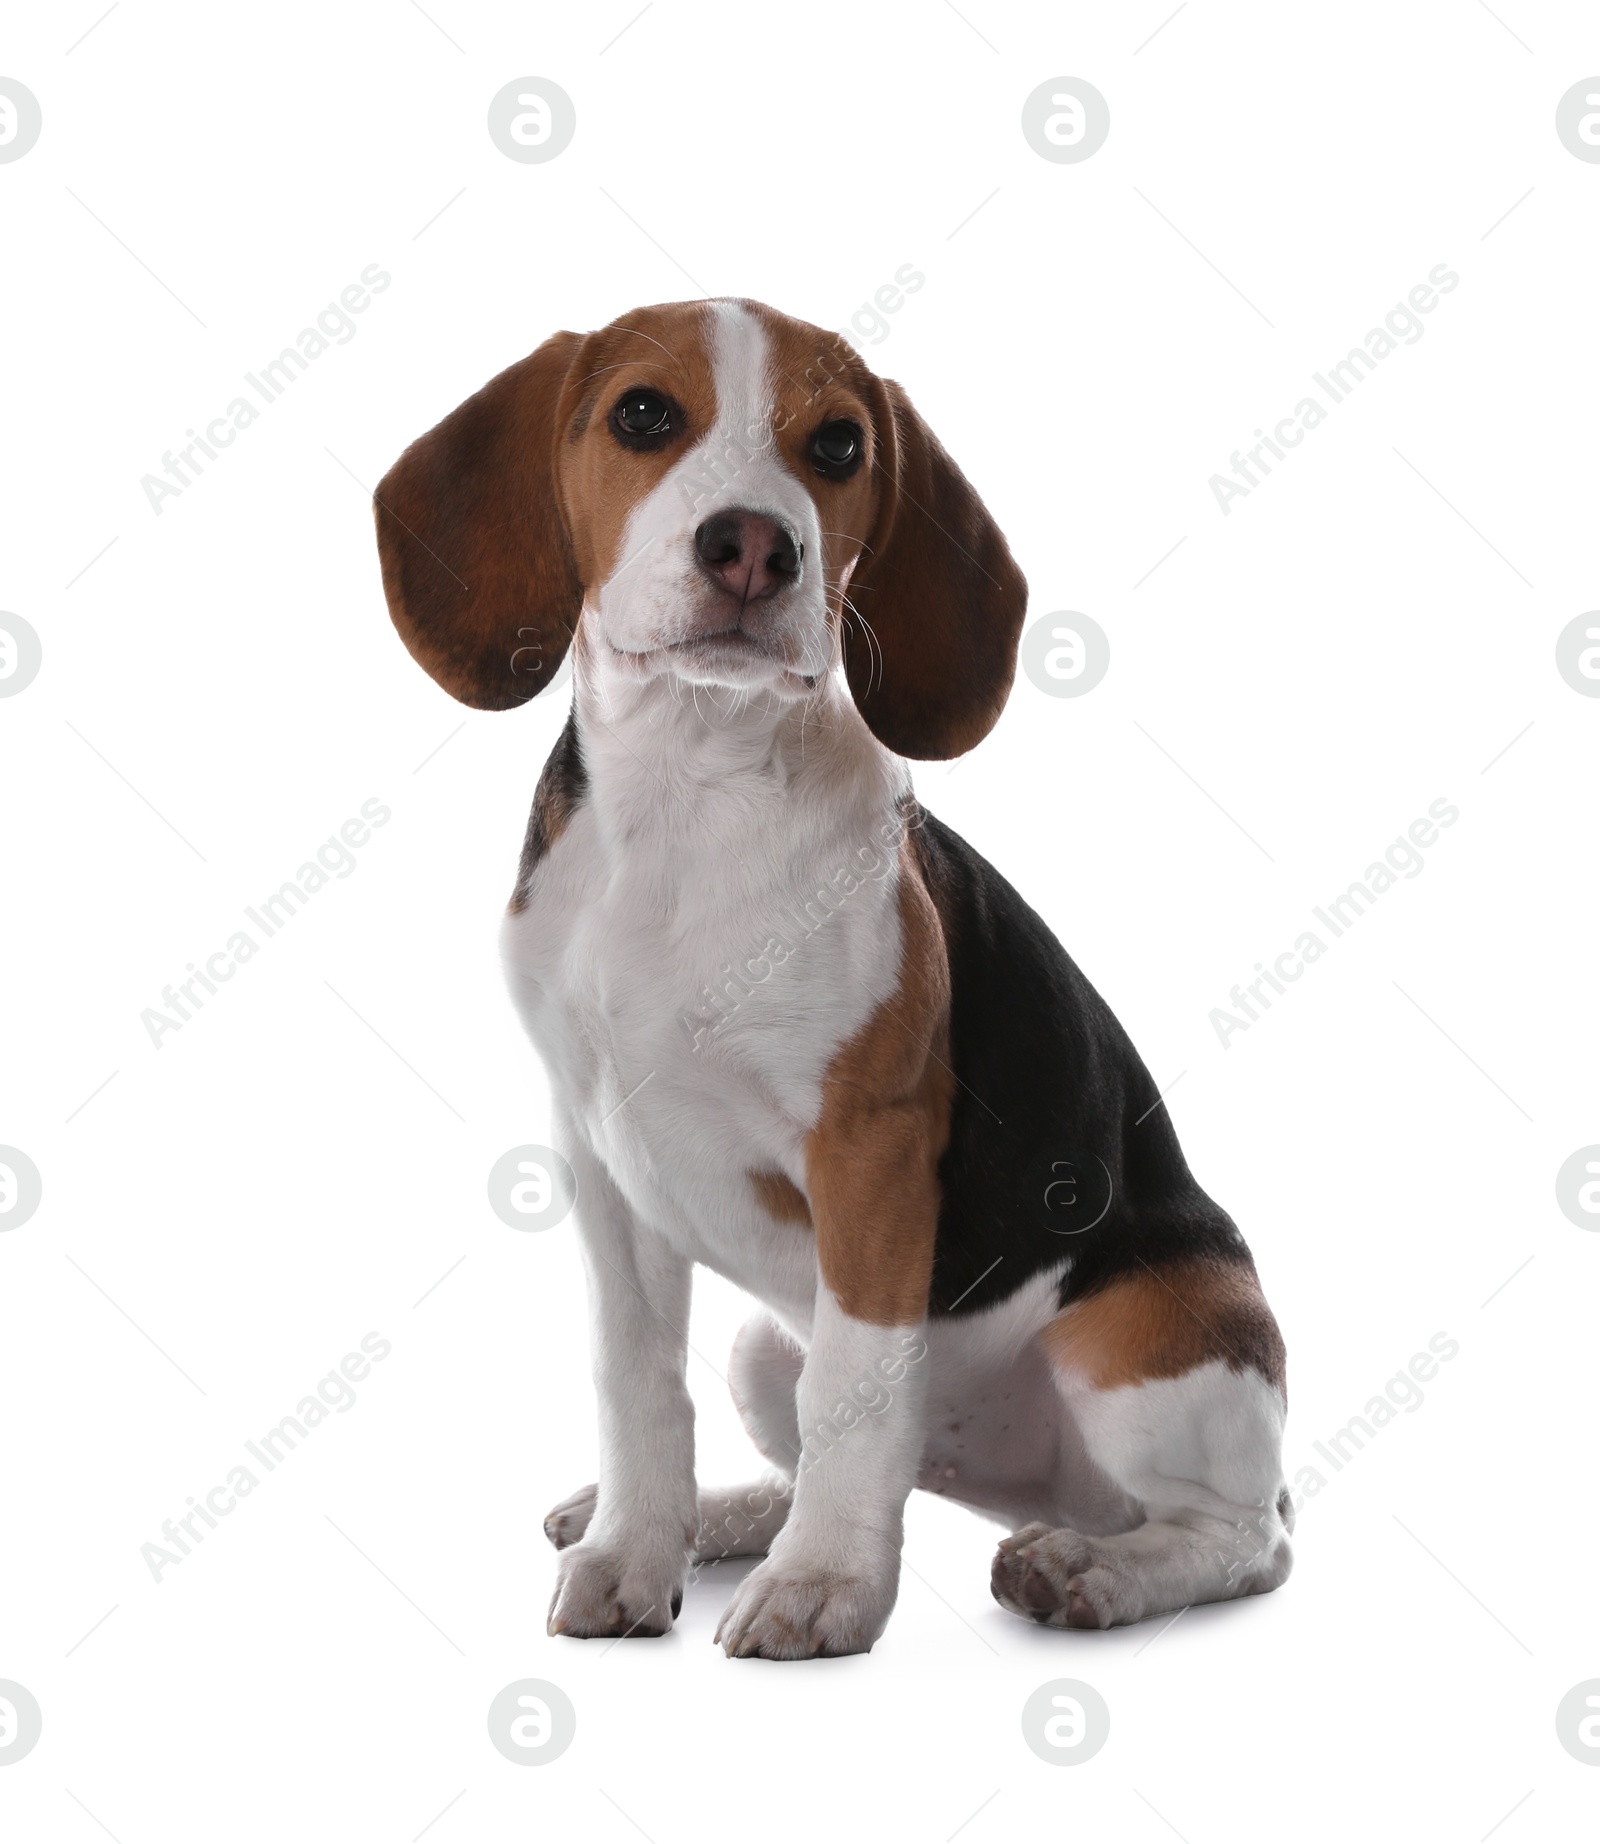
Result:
{"points": [[1088, 1605]]}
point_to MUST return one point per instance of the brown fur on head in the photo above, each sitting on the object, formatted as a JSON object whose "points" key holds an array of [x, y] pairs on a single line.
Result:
{"points": [[537, 501]]}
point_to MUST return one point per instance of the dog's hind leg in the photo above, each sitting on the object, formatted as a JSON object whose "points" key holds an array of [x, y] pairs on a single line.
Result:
{"points": [[762, 1374], [1174, 1376], [742, 1520], [734, 1520]]}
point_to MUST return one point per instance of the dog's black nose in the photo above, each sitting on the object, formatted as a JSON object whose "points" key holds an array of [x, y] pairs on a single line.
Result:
{"points": [[750, 554]]}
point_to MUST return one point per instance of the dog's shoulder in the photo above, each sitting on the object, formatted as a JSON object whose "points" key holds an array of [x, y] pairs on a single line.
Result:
{"points": [[562, 786]]}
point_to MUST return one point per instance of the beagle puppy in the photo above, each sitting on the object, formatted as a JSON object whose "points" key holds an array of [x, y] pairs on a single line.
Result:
{"points": [[799, 1031]]}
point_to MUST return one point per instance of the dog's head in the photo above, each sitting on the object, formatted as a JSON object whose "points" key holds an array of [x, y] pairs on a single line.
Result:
{"points": [[721, 494]]}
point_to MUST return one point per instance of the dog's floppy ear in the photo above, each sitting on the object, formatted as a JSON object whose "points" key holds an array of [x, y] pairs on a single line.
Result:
{"points": [[477, 566], [938, 598]]}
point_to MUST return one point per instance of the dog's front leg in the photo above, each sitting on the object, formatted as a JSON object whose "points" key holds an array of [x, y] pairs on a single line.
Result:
{"points": [[830, 1580], [626, 1576]]}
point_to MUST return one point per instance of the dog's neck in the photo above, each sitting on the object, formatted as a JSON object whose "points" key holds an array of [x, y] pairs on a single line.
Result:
{"points": [[711, 773]]}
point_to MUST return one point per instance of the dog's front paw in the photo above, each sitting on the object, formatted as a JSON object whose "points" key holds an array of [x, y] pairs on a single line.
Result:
{"points": [[789, 1610], [604, 1593], [1062, 1579]]}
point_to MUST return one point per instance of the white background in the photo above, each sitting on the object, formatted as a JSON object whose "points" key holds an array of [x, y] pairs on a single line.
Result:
{"points": [[1365, 633]]}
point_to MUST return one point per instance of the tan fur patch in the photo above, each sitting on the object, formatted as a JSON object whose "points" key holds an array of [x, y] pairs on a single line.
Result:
{"points": [[780, 1197], [872, 1159], [665, 349], [819, 378], [1163, 1322]]}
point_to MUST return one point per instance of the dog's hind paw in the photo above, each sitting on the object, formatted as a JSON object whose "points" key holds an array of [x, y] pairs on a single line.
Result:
{"points": [[565, 1523], [1059, 1578]]}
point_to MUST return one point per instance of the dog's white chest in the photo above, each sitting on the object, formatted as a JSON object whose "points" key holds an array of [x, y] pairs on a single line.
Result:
{"points": [[688, 988]]}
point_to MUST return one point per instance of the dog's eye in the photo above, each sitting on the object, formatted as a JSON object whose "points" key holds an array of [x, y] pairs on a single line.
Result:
{"points": [[642, 414], [836, 448]]}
